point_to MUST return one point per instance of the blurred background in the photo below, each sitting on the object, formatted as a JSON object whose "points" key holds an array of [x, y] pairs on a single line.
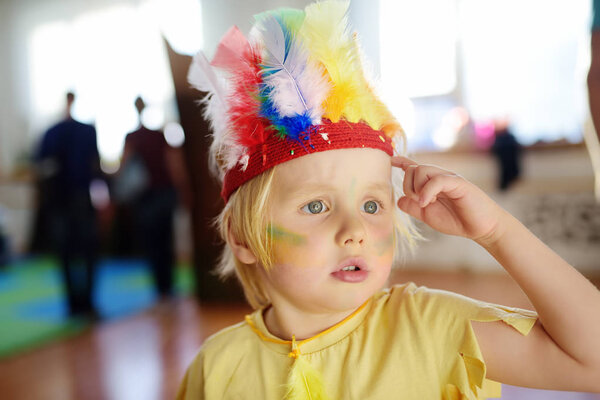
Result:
{"points": [[93, 299]]}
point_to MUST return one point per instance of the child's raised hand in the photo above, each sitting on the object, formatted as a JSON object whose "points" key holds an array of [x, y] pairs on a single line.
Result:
{"points": [[447, 202]]}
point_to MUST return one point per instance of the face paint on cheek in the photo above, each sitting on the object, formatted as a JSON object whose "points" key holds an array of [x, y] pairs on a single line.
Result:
{"points": [[279, 234], [290, 247], [385, 244]]}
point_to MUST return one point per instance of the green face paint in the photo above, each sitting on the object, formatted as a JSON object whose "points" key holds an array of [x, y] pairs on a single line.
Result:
{"points": [[385, 244], [352, 192], [281, 234]]}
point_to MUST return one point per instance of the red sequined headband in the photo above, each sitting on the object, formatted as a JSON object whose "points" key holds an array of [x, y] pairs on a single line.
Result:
{"points": [[327, 136]]}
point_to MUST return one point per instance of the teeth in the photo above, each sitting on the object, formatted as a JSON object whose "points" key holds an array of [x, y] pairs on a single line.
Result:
{"points": [[350, 268]]}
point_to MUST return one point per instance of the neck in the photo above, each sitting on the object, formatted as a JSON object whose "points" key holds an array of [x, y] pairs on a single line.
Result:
{"points": [[285, 322]]}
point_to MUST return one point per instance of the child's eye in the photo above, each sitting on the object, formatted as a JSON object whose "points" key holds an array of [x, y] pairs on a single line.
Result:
{"points": [[371, 207], [315, 207]]}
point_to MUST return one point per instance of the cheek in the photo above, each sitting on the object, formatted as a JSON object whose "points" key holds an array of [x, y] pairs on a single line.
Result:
{"points": [[384, 242], [298, 249], [291, 279]]}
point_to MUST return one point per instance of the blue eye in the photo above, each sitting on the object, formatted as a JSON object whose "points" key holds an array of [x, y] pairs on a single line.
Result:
{"points": [[315, 207], [371, 207]]}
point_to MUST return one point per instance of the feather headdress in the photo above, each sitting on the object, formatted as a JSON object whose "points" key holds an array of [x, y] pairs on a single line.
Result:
{"points": [[296, 87]]}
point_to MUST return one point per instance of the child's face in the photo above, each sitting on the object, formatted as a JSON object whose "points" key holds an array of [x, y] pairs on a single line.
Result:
{"points": [[331, 210]]}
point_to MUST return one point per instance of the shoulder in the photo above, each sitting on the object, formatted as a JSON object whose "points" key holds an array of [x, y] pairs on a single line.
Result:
{"points": [[444, 309], [55, 128], [216, 360], [227, 344], [134, 138], [81, 127], [224, 337], [134, 134], [423, 299], [58, 128], [433, 301], [146, 136], [418, 310]]}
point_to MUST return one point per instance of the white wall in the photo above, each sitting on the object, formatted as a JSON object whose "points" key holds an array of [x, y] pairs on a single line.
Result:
{"points": [[10, 123]]}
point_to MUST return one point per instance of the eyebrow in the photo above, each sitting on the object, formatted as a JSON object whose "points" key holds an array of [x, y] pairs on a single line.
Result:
{"points": [[310, 188], [380, 186], [306, 189]]}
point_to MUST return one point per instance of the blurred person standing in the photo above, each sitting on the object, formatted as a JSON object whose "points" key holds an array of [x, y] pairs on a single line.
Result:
{"points": [[507, 151], [67, 163], [4, 255], [593, 84], [153, 205]]}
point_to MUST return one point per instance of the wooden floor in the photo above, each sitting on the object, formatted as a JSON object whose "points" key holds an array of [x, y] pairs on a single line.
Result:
{"points": [[144, 356]]}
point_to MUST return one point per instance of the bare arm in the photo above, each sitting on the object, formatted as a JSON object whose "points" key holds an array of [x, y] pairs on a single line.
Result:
{"points": [[563, 349]]}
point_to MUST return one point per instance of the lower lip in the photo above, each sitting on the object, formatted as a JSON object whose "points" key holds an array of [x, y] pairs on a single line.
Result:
{"points": [[350, 276]]}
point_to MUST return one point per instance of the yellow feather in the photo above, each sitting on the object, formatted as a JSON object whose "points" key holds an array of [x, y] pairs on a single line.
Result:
{"points": [[325, 34], [327, 40], [376, 113], [305, 382]]}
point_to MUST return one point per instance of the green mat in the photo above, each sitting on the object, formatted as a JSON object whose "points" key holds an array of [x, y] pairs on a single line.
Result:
{"points": [[33, 310]]}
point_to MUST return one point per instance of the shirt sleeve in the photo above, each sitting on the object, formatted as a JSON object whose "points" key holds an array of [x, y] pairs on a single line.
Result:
{"points": [[192, 385], [462, 360]]}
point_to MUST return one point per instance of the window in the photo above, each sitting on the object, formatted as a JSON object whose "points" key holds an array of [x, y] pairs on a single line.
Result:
{"points": [[447, 63], [109, 57]]}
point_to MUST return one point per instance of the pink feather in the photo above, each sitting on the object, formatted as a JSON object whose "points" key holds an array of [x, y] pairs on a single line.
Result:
{"points": [[235, 55], [232, 50]]}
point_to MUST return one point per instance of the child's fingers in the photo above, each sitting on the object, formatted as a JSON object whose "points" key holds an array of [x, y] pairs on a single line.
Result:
{"points": [[408, 182], [423, 174], [403, 162], [410, 206], [438, 184], [409, 166], [416, 176]]}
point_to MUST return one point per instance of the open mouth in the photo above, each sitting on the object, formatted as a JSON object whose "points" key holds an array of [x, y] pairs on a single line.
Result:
{"points": [[352, 264], [351, 270]]}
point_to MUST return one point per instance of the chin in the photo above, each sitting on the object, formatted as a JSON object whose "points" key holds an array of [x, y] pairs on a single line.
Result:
{"points": [[356, 299]]}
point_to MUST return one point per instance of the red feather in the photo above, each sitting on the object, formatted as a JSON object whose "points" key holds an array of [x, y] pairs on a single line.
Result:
{"points": [[236, 56]]}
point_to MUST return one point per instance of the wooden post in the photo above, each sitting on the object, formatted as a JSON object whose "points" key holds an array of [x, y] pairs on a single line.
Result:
{"points": [[205, 199]]}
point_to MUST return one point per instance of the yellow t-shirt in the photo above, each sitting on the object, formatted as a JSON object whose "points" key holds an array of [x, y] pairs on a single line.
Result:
{"points": [[406, 342]]}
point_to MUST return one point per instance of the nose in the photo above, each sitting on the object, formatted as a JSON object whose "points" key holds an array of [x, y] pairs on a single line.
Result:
{"points": [[351, 231]]}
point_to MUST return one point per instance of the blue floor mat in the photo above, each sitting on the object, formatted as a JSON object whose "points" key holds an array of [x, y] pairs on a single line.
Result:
{"points": [[33, 308]]}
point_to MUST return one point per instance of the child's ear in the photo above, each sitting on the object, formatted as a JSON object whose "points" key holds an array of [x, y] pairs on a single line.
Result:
{"points": [[240, 250]]}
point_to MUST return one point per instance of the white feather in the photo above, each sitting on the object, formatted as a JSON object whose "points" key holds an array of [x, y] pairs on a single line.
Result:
{"points": [[299, 85], [224, 150], [202, 76]]}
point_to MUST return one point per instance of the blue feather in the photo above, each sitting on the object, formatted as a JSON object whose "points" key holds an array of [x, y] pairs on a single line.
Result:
{"points": [[285, 61], [291, 128], [282, 53]]}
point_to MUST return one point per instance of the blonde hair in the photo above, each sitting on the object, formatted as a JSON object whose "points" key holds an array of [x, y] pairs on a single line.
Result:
{"points": [[246, 217]]}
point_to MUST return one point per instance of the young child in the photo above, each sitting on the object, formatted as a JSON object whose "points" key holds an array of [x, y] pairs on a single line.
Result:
{"points": [[306, 154]]}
